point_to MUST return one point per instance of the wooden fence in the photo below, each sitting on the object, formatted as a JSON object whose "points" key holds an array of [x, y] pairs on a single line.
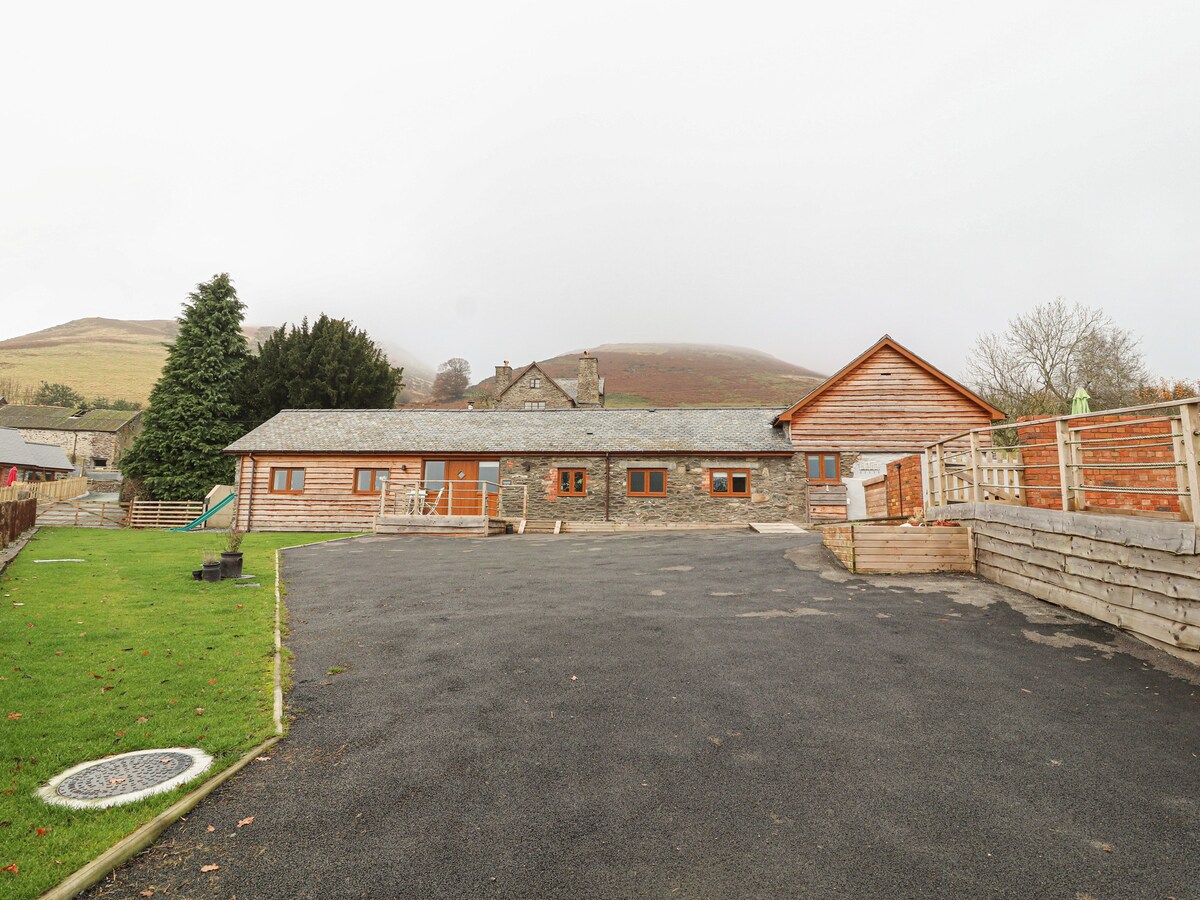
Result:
{"points": [[62, 489], [900, 549], [16, 517], [1142, 460], [163, 513]]}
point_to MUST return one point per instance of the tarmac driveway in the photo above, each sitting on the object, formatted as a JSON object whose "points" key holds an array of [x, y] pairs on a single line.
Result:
{"points": [[695, 715]]}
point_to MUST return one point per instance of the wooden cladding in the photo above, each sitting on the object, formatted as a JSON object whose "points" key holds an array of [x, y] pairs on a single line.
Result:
{"points": [[328, 501], [572, 482], [887, 403], [646, 482]]}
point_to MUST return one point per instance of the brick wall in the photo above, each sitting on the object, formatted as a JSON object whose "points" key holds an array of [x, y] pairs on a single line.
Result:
{"points": [[1043, 487], [905, 491]]}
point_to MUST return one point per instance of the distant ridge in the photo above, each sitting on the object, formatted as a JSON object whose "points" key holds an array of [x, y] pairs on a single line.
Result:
{"points": [[687, 375], [122, 358]]}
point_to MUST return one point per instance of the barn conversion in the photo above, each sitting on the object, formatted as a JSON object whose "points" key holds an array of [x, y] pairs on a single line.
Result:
{"points": [[352, 469]]}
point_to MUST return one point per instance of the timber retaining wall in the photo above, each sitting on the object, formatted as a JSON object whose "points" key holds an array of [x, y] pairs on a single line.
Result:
{"points": [[1141, 575]]}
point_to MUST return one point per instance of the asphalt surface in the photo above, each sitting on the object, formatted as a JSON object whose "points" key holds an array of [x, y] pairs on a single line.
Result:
{"points": [[694, 715]]}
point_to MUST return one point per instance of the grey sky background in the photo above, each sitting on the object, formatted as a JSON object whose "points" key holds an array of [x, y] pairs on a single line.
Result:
{"points": [[514, 180]]}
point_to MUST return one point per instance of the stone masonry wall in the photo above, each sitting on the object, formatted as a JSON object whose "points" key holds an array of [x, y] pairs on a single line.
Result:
{"points": [[521, 392], [82, 447], [777, 487]]}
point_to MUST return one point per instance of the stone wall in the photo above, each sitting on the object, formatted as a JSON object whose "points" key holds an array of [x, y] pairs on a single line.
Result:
{"points": [[82, 447], [521, 392], [777, 488]]}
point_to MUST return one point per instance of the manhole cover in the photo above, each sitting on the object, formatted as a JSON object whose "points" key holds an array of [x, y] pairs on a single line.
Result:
{"points": [[125, 778]]}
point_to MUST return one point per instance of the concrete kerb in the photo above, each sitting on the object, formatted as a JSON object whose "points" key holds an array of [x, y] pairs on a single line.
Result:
{"points": [[144, 836]]}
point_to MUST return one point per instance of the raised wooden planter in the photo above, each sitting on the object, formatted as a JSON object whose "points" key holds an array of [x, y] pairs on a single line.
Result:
{"points": [[900, 549]]}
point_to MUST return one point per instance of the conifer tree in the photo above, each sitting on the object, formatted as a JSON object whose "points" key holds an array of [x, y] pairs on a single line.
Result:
{"points": [[328, 365], [195, 408]]}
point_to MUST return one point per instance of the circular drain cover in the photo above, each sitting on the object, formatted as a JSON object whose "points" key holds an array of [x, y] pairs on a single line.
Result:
{"points": [[125, 778]]}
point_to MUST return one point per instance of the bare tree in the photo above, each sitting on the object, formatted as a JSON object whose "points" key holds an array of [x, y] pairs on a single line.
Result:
{"points": [[453, 378], [1035, 366]]}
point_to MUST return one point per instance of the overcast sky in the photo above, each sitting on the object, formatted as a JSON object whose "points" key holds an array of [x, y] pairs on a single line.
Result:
{"points": [[512, 180]]}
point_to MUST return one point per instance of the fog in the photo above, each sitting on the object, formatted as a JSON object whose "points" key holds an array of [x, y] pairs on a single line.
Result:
{"points": [[516, 180]]}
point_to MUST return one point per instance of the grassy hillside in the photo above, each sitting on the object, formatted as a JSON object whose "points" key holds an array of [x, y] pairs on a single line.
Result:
{"points": [[120, 358], [689, 375]]}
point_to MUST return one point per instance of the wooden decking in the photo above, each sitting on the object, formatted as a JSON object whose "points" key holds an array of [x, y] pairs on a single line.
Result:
{"points": [[480, 526]]}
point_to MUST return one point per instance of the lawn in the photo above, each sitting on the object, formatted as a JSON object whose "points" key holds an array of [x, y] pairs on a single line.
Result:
{"points": [[122, 652]]}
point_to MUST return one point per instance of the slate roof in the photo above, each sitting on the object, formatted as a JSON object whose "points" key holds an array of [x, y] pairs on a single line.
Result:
{"points": [[14, 451], [500, 431], [63, 418]]}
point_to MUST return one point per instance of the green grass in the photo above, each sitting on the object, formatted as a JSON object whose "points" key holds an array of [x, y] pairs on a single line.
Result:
{"points": [[122, 652]]}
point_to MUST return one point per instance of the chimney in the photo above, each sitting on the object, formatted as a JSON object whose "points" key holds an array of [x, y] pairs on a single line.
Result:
{"points": [[503, 377], [588, 391]]}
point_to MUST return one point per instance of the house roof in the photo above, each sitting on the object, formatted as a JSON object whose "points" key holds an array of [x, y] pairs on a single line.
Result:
{"points": [[15, 451], [569, 386], [498, 431], [886, 341], [65, 418]]}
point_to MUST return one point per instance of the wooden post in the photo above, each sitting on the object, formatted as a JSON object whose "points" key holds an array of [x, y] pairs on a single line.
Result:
{"points": [[943, 497], [1188, 452], [976, 470], [1062, 434], [926, 483], [450, 499]]}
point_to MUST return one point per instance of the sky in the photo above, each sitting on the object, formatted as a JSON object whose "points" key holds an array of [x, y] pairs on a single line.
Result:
{"points": [[515, 180]]}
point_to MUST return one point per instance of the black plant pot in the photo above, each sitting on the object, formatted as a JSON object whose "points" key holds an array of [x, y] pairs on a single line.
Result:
{"points": [[231, 565], [196, 573], [211, 572]]}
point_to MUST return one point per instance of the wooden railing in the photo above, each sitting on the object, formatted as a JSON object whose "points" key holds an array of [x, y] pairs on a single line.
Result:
{"points": [[1137, 460], [454, 498], [62, 489], [163, 514]]}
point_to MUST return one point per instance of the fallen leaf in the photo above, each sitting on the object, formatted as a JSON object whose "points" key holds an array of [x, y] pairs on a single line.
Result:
{"points": [[14, 715], [261, 758], [211, 828], [166, 760], [11, 867], [116, 781], [211, 867], [41, 831], [249, 820], [574, 677], [142, 720], [199, 710], [149, 892], [212, 681], [1026, 691]]}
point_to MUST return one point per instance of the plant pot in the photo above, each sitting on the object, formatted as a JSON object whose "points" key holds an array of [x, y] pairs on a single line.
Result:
{"points": [[231, 565], [196, 573], [211, 572]]}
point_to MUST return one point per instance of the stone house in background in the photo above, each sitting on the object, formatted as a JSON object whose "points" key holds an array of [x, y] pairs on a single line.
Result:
{"points": [[91, 438], [532, 389], [34, 462]]}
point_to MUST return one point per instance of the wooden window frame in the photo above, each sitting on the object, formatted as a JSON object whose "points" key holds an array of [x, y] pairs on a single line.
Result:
{"points": [[375, 488], [534, 405], [837, 465], [535, 382], [629, 491], [570, 492], [729, 473], [288, 480]]}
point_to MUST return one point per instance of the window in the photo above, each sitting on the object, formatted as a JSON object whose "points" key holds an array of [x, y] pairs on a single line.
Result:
{"points": [[535, 382], [823, 467], [572, 482], [99, 462], [535, 404], [369, 481], [647, 483], [729, 482], [287, 481]]}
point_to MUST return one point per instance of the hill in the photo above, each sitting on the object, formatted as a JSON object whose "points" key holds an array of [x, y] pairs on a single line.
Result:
{"points": [[688, 375], [122, 358]]}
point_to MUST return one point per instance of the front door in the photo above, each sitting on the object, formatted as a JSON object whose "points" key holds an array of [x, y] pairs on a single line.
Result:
{"points": [[461, 487]]}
